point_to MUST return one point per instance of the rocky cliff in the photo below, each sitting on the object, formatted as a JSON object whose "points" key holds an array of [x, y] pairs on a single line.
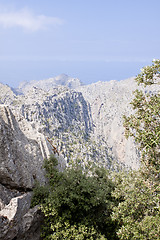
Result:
{"points": [[64, 116], [59, 116], [83, 122], [109, 101], [22, 150]]}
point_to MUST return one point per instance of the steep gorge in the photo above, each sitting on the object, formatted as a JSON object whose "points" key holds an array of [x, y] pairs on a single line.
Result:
{"points": [[60, 116]]}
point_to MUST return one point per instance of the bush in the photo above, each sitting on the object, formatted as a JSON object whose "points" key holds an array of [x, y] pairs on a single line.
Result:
{"points": [[78, 203]]}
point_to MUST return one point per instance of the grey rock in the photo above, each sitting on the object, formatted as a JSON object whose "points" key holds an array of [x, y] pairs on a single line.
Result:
{"points": [[6, 194], [22, 151], [11, 216], [6, 94], [84, 123], [19, 221], [30, 227], [21, 156], [109, 101]]}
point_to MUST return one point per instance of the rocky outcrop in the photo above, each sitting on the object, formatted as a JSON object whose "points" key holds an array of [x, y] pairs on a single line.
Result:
{"points": [[22, 151], [18, 221], [64, 116], [30, 227], [11, 216], [109, 101], [6, 94], [21, 156], [85, 122], [94, 112]]}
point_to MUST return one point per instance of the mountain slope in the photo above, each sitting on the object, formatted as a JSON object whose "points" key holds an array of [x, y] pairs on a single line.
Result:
{"points": [[85, 123]]}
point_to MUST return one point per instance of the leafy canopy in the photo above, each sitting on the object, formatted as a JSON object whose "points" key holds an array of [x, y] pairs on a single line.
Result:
{"points": [[78, 204], [138, 213], [144, 124]]}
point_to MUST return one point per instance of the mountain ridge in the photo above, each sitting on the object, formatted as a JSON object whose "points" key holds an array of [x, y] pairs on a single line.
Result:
{"points": [[44, 104], [47, 84]]}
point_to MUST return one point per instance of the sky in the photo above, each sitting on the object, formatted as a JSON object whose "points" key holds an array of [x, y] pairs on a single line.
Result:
{"points": [[93, 40]]}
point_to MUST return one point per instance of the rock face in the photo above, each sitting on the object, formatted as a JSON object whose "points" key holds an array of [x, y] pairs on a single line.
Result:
{"points": [[21, 156], [64, 116], [84, 122], [22, 150], [18, 221], [109, 101], [12, 214]]}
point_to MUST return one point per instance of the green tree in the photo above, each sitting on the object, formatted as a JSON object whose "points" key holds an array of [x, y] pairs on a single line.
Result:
{"points": [[78, 204], [138, 213]]}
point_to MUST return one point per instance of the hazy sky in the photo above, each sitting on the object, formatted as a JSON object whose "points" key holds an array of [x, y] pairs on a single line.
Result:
{"points": [[90, 39]]}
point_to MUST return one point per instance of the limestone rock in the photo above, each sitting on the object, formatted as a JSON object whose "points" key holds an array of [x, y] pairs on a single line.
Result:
{"points": [[30, 227], [21, 157], [6, 194], [84, 123], [22, 151], [11, 216], [109, 101], [6, 94], [18, 221]]}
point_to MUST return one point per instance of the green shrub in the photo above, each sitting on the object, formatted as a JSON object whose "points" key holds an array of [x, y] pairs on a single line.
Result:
{"points": [[78, 203]]}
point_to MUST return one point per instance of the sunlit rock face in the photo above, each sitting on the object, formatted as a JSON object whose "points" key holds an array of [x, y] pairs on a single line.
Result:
{"points": [[95, 109], [109, 101], [21, 156], [84, 122], [22, 151]]}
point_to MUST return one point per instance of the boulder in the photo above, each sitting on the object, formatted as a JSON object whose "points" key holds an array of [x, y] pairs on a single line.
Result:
{"points": [[11, 216]]}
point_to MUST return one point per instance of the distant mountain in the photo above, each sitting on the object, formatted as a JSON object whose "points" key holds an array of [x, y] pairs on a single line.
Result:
{"points": [[6, 94], [84, 121], [47, 84]]}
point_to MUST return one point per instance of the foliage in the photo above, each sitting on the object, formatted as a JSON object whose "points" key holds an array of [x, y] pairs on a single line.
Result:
{"points": [[144, 124], [78, 204], [138, 213], [150, 74], [40, 193]]}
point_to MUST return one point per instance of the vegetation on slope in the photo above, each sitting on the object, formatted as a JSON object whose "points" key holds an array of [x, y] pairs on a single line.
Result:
{"points": [[77, 204], [84, 203], [139, 211]]}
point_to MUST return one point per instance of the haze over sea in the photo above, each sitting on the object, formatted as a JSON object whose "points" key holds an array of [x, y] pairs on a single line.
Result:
{"points": [[90, 40]]}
